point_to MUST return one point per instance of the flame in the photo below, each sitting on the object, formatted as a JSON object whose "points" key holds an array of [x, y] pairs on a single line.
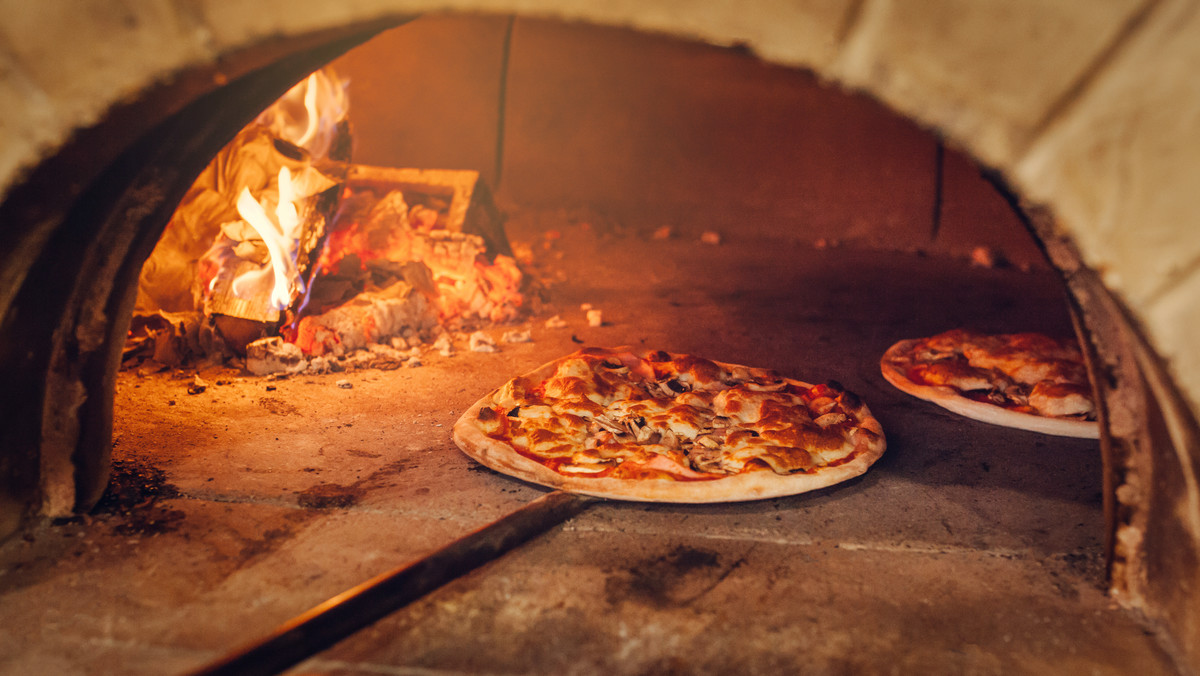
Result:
{"points": [[308, 114], [314, 115], [281, 236]]}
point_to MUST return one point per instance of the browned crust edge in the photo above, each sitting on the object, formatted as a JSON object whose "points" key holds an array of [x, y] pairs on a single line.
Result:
{"points": [[755, 485], [949, 399]]}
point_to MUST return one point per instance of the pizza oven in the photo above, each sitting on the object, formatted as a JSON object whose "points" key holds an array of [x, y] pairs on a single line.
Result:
{"points": [[794, 188]]}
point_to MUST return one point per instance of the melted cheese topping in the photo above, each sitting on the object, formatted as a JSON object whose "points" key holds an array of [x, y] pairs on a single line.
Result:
{"points": [[672, 416], [1027, 372]]}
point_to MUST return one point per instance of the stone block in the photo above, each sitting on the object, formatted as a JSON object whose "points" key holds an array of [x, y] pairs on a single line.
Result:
{"points": [[1173, 322], [616, 603], [65, 63], [86, 55], [702, 137], [27, 120], [427, 94], [974, 214], [1121, 166], [232, 25], [794, 32], [984, 72]]}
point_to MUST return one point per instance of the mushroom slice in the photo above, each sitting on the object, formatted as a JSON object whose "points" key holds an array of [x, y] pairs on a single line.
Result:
{"points": [[769, 386], [831, 418], [647, 435], [673, 387], [610, 425], [705, 459], [634, 425]]}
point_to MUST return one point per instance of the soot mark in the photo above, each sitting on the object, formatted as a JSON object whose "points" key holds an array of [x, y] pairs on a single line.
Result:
{"points": [[278, 406], [362, 454], [329, 496], [267, 542], [133, 492], [676, 578], [337, 496]]}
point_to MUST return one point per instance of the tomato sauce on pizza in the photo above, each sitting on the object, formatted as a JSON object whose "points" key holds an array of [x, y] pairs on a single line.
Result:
{"points": [[653, 425], [1025, 380]]}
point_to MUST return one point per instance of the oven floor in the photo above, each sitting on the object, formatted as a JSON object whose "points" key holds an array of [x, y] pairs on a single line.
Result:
{"points": [[967, 548]]}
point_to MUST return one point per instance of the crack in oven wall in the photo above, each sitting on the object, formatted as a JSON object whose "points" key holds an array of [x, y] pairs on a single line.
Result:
{"points": [[774, 156]]}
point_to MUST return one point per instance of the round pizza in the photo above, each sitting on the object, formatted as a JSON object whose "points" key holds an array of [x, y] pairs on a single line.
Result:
{"points": [[656, 426], [1025, 380]]}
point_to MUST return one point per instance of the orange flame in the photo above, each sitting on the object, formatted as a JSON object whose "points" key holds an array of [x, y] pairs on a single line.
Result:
{"points": [[281, 235], [307, 115], [310, 105]]}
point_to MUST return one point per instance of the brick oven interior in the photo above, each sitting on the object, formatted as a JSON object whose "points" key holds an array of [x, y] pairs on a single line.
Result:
{"points": [[237, 502]]}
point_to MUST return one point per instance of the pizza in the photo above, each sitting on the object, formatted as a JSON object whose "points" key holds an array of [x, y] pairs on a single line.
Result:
{"points": [[1025, 380], [663, 427]]}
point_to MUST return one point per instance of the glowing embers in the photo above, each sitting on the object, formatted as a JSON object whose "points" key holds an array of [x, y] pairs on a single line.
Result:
{"points": [[392, 268]]}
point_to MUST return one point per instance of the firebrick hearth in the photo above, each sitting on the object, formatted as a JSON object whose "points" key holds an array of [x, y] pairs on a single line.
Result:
{"points": [[194, 458], [967, 546]]}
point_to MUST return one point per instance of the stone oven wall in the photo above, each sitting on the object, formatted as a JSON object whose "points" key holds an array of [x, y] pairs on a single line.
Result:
{"points": [[1087, 110]]}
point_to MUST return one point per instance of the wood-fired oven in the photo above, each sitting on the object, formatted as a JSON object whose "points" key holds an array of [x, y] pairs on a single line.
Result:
{"points": [[739, 188]]}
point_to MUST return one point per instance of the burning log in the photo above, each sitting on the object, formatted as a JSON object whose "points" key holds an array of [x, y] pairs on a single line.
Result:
{"points": [[451, 200], [376, 238], [251, 269], [306, 125], [235, 333], [169, 338]]}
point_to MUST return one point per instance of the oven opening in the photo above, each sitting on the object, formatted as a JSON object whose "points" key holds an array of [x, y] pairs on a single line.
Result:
{"points": [[462, 199]]}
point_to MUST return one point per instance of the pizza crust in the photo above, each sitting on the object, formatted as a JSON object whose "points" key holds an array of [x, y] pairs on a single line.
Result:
{"points": [[751, 485], [949, 399]]}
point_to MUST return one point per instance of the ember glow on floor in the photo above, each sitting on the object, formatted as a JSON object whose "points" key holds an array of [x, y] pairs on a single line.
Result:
{"points": [[966, 548]]}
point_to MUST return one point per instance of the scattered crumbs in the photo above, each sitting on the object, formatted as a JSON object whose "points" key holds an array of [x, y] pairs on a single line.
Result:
{"points": [[444, 345], [983, 257], [517, 336], [482, 342]]}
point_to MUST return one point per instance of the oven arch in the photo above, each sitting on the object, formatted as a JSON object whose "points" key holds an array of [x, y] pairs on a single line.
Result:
{"points": [[1045, 132]]}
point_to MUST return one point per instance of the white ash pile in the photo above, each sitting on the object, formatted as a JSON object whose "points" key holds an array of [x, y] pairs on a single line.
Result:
{"points": [[370, 317], [275, 356]]}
